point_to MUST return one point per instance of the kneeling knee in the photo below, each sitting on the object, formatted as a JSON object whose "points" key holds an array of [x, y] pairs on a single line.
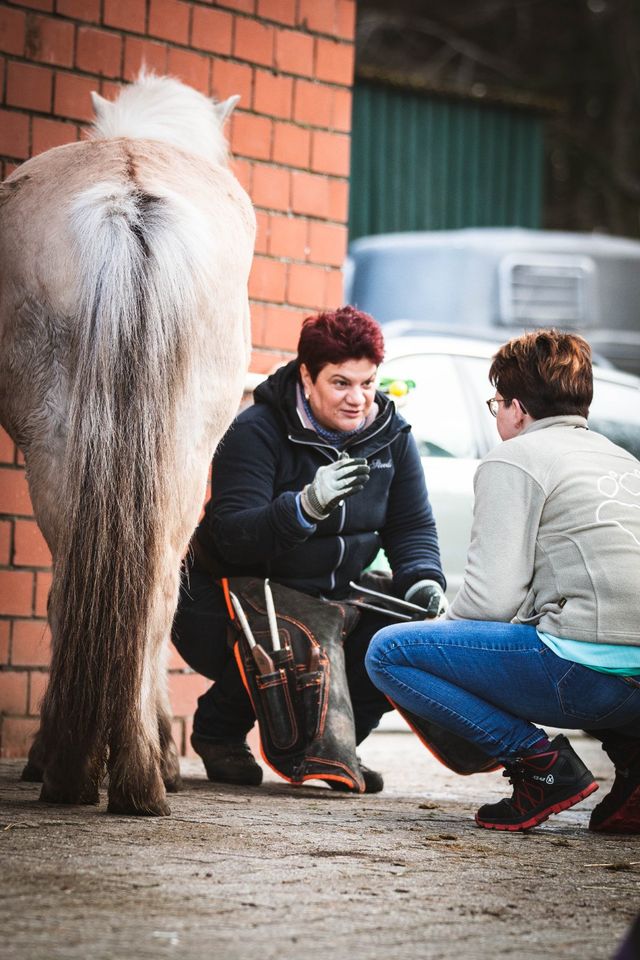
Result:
{"points": [[377, 652]]}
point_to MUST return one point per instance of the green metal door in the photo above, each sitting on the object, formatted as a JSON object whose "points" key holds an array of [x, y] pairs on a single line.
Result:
{"points": [[429, 163]]}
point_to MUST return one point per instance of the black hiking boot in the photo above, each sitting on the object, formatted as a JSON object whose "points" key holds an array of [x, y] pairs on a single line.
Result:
{"points": [[619, 811], [228, 762], [543, 783], [373, 782]]}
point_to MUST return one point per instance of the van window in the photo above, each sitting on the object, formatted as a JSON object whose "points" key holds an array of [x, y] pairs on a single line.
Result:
{"points": [[615, 412], [436, 408]]}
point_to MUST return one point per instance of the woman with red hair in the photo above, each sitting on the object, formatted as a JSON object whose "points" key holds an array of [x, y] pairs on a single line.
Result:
{"points": [[308, 484]]}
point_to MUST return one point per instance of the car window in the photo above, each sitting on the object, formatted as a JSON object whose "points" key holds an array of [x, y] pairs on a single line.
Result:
{"points": [[615, 412], [436, 407]]}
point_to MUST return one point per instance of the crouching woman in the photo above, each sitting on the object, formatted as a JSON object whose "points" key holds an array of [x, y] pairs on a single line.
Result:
{"points": [[546, 626]]}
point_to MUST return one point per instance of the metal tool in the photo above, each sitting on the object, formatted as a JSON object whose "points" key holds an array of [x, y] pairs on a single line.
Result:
{"points": [[263, 661], [271, 616], [394, 614], [392, 601]]}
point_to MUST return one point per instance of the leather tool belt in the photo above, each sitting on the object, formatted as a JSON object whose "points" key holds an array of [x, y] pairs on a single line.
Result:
{"points": [[299, 692]]}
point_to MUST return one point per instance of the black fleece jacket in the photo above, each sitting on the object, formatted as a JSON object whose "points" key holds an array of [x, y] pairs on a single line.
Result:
{"points": [[251, 525]]}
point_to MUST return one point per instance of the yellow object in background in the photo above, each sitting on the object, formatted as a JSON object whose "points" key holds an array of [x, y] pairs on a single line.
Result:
{"points": [[398, 388]]}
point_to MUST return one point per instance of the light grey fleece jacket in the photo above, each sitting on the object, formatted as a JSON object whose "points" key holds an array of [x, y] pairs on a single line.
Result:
{"points": [[555, 539]]}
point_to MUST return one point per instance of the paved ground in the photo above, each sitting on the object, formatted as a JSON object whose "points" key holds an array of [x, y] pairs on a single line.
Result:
{"points": [[279, 872]]}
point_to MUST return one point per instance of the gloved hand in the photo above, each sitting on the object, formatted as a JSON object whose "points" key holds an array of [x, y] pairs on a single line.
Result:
{"points": [[333, 483], [428, 594]]}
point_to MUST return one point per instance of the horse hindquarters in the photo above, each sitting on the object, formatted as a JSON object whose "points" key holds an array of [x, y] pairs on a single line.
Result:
{"points": [[137, 358]]}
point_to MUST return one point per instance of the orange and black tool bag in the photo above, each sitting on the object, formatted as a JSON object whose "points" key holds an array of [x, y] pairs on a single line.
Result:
{"points": [[302, 705]]}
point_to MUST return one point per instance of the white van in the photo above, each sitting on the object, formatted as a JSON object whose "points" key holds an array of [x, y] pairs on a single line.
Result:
{"points": [[498, 282]]}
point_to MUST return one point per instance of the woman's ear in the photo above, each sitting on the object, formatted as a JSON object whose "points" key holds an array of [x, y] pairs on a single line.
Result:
{"points": [[307, 381], [521, 412]]}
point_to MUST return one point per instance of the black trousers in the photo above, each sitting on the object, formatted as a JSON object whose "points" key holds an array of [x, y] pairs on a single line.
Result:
{"points": [[224, 712]]}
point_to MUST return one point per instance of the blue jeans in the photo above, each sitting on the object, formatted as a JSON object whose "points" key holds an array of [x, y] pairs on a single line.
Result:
{"points": [[490, 682]]}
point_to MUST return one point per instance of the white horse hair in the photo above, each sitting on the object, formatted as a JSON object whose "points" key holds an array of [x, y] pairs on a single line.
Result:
{"points": [[124, 327], [161, 108]]}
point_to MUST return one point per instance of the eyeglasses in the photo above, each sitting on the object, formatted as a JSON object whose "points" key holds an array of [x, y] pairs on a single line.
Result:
{"points": [[493, 405]]}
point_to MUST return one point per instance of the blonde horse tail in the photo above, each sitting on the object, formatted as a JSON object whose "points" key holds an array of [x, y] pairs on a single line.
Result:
{"points": [[130, 354]]}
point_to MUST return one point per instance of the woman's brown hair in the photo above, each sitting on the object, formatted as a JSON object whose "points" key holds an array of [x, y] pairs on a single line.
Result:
{"points": [[549, 372]]}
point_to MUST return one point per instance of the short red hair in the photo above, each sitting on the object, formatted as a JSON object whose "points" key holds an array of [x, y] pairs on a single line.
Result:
{"points": [[339, 335]]}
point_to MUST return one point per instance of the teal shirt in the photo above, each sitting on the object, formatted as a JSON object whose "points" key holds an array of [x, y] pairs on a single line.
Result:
{"points": [[616, 658]]}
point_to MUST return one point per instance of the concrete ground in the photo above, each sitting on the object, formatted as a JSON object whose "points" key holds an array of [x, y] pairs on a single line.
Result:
{"points": [[283, 872]]}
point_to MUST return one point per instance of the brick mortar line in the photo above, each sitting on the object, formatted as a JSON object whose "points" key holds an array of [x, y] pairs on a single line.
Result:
{"points": [[176, 45], [235, 14], [72, 71], [22, 668], [281, 258]]}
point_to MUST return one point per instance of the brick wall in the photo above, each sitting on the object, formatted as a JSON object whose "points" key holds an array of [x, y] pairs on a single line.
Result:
{"points": [[292, 63]]}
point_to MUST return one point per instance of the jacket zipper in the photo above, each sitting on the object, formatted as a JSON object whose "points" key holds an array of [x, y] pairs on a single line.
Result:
{"points": [[324, 448], [332, 582]]}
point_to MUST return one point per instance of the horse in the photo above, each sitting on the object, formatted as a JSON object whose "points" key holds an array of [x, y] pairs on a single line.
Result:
{"points": [[124, 344]]}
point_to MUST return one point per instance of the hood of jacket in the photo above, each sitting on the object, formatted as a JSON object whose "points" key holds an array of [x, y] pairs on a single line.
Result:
{"points": [[278, 391]]}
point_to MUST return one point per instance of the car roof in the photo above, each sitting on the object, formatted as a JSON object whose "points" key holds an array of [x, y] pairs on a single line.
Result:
{"points": [[478, 347]]}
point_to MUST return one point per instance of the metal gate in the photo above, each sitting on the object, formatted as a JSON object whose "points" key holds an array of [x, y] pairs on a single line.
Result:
{"points": [[429, 163]]}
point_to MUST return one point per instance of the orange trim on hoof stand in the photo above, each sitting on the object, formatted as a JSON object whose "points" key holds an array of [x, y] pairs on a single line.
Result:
{"points": [[453, 751]]}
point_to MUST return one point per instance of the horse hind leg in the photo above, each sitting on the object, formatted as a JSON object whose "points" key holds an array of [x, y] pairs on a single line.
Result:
{"points": [[71, 770], [66, 755], [135, 781], [136, 785], [169, 759], [33, 770], [140, 793]]}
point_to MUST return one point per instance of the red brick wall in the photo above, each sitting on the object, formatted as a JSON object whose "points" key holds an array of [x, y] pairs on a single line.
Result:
{"points": [[292, 63]]}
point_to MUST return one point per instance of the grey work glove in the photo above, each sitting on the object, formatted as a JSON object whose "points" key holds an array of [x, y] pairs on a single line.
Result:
{"points": [[428, 594], [333, 483]]}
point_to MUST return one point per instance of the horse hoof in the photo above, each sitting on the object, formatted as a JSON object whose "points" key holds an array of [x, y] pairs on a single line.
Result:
{"points": [[127, 808], [32, 773], [86, 795], [173, 784]]}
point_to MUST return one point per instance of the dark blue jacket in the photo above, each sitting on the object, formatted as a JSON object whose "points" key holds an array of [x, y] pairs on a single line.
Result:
{"points": [[251, 526]]}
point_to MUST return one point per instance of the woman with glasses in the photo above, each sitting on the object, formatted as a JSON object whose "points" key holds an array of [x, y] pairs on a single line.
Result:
{"points": [[546, 626]]}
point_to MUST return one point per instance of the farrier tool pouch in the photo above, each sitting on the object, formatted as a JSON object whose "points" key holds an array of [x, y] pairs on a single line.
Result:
{"points": [[299, 692]]}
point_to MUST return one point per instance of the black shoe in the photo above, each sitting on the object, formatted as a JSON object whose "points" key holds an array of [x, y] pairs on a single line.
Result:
{"points": [[373, 782], [543, 783], [228, 762], [619, 811]]}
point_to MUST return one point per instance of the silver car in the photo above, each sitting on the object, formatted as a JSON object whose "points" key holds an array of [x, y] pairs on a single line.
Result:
{"points": [[454, 429]]}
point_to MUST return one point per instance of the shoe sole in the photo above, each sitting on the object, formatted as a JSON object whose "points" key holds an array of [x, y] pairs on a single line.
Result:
{"points": [[217, 777], [543, 815], [626, 819]]}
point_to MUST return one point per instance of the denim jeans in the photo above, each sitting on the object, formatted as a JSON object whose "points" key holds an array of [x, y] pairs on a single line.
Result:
{"points": [[225, 712], [491, 682]]}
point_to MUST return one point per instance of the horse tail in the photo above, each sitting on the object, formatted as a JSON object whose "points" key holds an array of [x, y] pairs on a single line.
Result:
{"points": [[137, 255]]}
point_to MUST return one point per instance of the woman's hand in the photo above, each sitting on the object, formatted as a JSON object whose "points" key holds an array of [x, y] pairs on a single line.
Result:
{"points": [[428, 594], [331, 484]]}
